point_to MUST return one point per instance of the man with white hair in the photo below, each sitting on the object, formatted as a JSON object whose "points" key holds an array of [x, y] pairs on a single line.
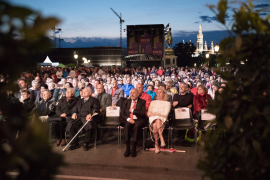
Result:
{"points": [[133, 113], [81, 113]]}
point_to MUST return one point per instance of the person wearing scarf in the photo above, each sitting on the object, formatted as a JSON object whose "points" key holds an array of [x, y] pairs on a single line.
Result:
{"points": [[150, 91], [200, 100]]}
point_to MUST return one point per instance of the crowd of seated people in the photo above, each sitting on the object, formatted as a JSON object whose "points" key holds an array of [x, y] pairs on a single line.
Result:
{"points": [[147, 96]]}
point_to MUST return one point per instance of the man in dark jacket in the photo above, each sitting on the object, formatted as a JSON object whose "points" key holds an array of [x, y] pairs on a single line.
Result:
{"points": [[81, 113], [27, 102], [133, 112]]}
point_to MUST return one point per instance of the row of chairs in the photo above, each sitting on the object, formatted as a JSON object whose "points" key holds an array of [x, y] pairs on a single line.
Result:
{"points": [[203, 123], [183, 119]]}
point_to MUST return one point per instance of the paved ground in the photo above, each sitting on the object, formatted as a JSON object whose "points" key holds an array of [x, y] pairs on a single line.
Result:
{"points": [[106, 161]]}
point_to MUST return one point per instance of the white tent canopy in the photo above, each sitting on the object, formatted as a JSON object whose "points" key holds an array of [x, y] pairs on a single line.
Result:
{"points": [[47, 60]]}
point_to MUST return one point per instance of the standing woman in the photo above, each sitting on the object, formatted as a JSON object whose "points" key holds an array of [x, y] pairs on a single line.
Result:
{"points": [[158, 113]]}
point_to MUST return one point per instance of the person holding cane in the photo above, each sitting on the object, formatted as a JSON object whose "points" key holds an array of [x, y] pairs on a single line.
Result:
{"points": [[81, 113]]}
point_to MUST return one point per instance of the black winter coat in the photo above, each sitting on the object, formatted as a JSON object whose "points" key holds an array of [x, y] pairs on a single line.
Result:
{"points": [[28, 105], [65, 106], [82, 109]]}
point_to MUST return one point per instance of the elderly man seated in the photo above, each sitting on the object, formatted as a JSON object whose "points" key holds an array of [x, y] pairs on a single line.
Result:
{"points": [[105, 100], [46, 107], [115, 92], [81, 113], [133, 113]]}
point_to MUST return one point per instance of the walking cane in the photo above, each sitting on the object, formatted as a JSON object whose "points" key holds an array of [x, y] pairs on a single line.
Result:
{"points": [[78, 132]]}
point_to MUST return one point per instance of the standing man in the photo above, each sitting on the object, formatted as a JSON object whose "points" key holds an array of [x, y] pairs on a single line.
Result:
{"points": [[133, 113], [82, 112], [127, 87], [115, 92]]}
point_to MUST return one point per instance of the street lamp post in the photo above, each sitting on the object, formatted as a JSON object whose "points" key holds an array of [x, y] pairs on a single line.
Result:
{"points": [[76, 57], [216, 50], [207, 56]]}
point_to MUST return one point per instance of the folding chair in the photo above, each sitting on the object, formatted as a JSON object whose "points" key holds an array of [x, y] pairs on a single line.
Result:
{"points": [[112, 120], [205, 122], [183, 120]]}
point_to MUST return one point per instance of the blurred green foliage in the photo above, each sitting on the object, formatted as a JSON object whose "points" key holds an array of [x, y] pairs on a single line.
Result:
{"points": [[71, 65], [61, 65], [30, 155], [240, 146]]}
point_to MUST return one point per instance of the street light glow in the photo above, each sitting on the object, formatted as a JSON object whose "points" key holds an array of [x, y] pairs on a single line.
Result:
{"points": [[216, 48], [75, 56], [207, 55]]}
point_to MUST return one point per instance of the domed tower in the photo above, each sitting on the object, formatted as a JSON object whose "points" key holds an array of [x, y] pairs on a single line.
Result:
{"points": [[199, 44], [205, 46]]}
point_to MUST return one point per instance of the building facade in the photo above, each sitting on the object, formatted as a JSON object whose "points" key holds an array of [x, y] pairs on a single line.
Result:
{"points": [[98, 56], [200, 48]]}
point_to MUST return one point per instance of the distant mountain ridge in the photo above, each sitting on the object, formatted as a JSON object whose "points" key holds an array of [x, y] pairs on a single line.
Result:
{"points": [[178, 36]]}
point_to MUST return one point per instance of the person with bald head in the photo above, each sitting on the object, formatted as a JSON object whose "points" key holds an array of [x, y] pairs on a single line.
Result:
{"points": [[105, 100], [133, 113], [82, 112]]}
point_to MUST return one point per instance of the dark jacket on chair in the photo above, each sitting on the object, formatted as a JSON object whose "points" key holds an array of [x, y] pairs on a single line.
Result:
{"points": [[139, 111]]}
